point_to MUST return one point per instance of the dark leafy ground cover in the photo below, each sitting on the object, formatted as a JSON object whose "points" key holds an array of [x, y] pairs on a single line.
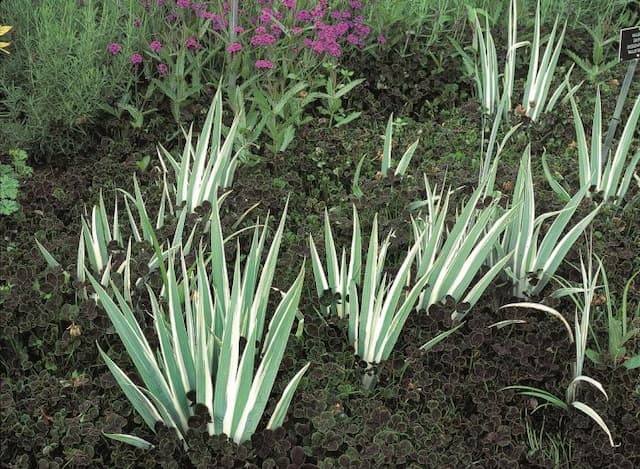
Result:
{"points": [[441, 409]]}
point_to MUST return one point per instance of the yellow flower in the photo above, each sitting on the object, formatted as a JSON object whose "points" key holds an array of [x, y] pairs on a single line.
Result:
{"points": [[3, 45]]}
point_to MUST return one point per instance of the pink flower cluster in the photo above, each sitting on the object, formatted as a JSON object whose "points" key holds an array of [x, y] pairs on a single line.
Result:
{"points": [[234, 48], [263, 64], [192, 43], [320, 28], [265, 39], [114, 48]]}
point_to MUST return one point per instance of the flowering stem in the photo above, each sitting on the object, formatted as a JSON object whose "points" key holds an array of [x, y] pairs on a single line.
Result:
{"points": [[233, 23]]}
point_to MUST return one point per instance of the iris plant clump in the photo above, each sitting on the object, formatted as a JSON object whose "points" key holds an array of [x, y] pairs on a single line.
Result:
{"points": [[220, 347]]}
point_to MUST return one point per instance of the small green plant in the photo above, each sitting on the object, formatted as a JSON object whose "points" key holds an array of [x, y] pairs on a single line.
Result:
{"points": [[606, 175], [541, 72], [554, 447], [405, 159], [484, 67], [335, 90], [9, 181], [143, 163], [583, 298], [184, 81], [622, 325], [274, 111], [597, 66], [536, 260], [376, 304], [452, 257], [387, 162]]}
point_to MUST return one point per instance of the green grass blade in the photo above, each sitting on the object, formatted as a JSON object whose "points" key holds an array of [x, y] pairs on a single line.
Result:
{"points": [[51, 262], [274, 346], [553, 182], [333, 270], [540, 394], [615, 166], [130, 440], [399, 319], [355, 259], [318, 272], [368, 289], [440, 337], [584, 161], [386, 152], [137, 347], [406, 159], [479, 288], [355, 185], [259, 306], [138, 400], [279, 413], [597, 163], [552, 262], [544, 309], [596, 418]]}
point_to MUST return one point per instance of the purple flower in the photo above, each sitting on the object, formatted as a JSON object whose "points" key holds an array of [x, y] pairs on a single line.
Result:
{"points": [[234, 47], [266, 15], [183, 3], [114, 48], [137, 23], [275, 28], [264, 64], [263, 40], [333, 48], [163, 69], [362, 29], [290, 4], [191, 43], [381, 39], [303, 15], [218, 23], [356, 5], [172, 17], [155, 46], [136, 59], [317, 11], [238, 30]]}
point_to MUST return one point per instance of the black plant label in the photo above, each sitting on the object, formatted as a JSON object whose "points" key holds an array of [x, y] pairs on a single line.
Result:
{"points": [[629, 43]]}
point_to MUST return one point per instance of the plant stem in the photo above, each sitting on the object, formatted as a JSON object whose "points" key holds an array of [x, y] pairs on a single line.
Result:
{"points": [[370, 378]]}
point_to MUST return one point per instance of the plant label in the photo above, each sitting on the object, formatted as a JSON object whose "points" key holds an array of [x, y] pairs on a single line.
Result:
{"points": [[629, 43]]}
